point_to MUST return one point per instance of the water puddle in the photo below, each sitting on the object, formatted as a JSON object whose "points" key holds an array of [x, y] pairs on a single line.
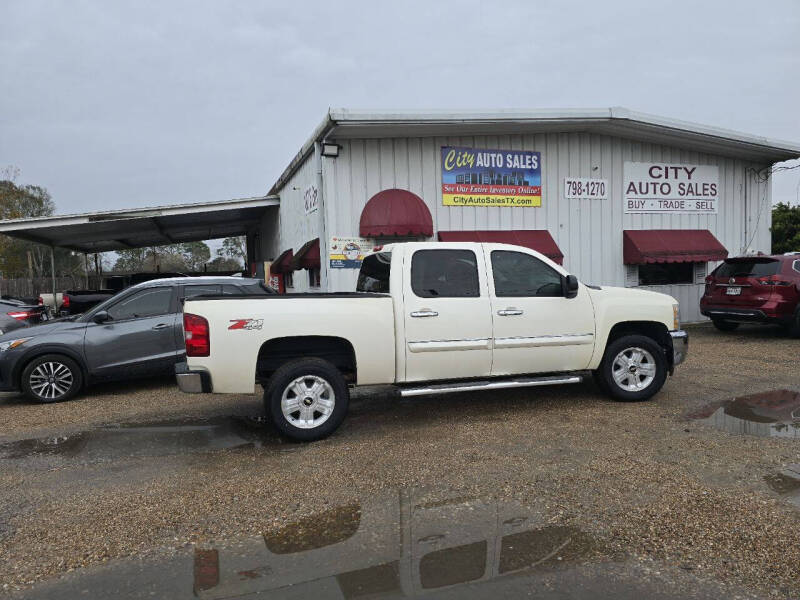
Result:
{"points": [[786, 483], [393, 545], [768, 414], [151, 439]]}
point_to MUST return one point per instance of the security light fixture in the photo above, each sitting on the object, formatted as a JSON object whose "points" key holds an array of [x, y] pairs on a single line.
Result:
{"points": [[330, 150]]}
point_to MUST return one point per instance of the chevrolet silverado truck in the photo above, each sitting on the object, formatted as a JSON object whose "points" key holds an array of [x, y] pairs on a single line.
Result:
{"points": [[430, 318]]}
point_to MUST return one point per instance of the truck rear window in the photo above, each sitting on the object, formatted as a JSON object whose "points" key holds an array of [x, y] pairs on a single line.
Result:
{"points": [[374, 274], [748, 268]]}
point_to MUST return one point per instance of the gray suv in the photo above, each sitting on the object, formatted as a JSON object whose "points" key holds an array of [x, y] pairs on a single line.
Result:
{"points": [[136, 333]]}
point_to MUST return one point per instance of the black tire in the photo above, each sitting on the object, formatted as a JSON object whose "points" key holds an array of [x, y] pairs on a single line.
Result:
{"points": [[314, 370], [723, 325], [608, 369], [794, 325], [600, 382], [64, 383]]}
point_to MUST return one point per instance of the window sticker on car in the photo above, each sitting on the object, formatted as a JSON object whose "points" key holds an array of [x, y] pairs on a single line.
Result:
{"points": [[247, 324]]}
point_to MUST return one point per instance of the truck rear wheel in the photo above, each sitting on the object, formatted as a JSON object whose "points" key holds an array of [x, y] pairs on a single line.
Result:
{"points": [[634, 368], [307, 399]]}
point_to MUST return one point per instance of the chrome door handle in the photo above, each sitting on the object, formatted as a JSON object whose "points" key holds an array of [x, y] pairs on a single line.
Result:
{"points": [[160, 326], [509, 312], [425, 313]]}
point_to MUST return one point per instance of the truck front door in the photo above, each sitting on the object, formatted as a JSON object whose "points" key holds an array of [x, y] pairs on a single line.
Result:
{"points": [[536, 328], [448, 323]]}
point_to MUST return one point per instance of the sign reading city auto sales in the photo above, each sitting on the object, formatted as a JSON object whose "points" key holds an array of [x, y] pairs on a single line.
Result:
{"points": [[667, 188], [489, 177]]}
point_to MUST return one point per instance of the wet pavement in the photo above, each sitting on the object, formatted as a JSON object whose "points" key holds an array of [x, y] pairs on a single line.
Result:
{"points": [[159, 438], [775, 413], [403, 544], [139, 491]]}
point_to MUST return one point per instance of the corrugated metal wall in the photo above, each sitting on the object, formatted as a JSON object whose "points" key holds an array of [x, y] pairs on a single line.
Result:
{"points": [[589, 232], [295, 227]]}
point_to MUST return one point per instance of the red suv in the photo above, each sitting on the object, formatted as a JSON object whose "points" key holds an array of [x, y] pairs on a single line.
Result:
{"points": [[754, 289]]}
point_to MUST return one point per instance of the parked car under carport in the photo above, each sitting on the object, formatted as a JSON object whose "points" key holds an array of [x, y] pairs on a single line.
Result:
{"points": [[136, 333]]}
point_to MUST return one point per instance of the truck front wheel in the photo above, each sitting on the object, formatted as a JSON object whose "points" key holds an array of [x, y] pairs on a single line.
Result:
{"points": [[634, 368], [307, 399]]}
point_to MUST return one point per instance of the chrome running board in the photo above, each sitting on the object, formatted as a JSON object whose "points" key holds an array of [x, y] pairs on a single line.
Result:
{"points": [[497, 384]]}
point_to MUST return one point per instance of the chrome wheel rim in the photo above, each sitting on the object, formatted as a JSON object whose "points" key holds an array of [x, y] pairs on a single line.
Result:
{"points": [[308, 402], [633, 369], [51, 380]]}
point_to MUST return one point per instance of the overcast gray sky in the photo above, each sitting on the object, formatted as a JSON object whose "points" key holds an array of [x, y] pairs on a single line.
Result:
{"points": [[120, 104]]}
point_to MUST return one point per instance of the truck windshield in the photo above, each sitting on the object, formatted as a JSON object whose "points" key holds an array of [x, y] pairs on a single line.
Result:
{"points": [[374, 274]]}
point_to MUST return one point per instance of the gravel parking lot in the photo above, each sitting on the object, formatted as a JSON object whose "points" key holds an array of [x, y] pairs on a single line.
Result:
{"points": [[654, 489]]}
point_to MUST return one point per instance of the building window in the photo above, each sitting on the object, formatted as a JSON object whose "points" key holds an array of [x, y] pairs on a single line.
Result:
{"points": [[313, 278], [288, 280], [666, 273]]}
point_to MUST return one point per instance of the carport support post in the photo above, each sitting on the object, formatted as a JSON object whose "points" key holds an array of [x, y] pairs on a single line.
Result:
{"points": [[53, 274]]}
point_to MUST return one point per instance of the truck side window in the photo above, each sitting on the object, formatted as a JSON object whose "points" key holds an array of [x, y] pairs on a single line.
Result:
{"points": [[521, 275], [374, 273], [147, 303], [445, 274]]}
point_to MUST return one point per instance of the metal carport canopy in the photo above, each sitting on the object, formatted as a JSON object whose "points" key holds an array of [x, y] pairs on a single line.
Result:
{"points": [[140, 227]]}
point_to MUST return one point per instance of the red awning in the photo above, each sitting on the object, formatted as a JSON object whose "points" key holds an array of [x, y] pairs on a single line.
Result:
{"points": [[396, 213], [307, 257], [642, 246], [535, 239], [282, 264]]}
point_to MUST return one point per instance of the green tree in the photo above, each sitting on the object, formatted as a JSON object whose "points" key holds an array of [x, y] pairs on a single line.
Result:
{"points": [[785, 228], [132, 260], [180, 258], [19, 258], [195, 255], [223, 264], [234, 248]]}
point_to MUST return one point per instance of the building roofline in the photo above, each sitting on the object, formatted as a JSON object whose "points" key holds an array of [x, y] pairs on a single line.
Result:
{"points": [[618, 121], [134, 213]]}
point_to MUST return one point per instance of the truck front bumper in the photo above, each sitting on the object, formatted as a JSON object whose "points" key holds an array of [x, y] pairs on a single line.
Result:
{"points": [[680, 346], [192, 382]]}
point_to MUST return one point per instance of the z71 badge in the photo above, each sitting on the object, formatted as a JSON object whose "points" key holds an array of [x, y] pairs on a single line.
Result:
{"points": [[246, 323]]}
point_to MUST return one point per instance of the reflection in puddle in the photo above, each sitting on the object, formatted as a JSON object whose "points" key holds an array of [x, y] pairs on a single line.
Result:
{"points": [[783, 484], [317, 531], [769, 414], [786, 483], [397, 545], [149, 439]]}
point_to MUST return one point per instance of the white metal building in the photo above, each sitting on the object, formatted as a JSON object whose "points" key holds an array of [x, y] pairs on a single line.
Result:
{"points": [[625, 198]]}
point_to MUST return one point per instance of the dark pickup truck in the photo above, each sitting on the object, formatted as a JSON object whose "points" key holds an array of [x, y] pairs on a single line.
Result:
{"points": [[75, 302]]}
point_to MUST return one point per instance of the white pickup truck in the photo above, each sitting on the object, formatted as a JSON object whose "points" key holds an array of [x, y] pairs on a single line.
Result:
{"points": [[430, 318]]}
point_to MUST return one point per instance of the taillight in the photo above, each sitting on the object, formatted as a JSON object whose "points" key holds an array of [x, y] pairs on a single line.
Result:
{"points": [[195, 331], [64, 301], [20, 315], [41, 301], [773, 280]]}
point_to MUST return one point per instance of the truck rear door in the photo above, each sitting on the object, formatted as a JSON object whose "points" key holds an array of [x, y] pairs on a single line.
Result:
{"points": [[447, 313]]}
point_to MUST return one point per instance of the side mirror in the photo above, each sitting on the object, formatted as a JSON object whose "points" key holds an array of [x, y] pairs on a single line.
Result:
{"points": [[101, 317], [570, 286]]}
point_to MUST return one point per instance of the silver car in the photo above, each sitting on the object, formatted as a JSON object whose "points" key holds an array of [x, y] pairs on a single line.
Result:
{"points": [[136, 333]]}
